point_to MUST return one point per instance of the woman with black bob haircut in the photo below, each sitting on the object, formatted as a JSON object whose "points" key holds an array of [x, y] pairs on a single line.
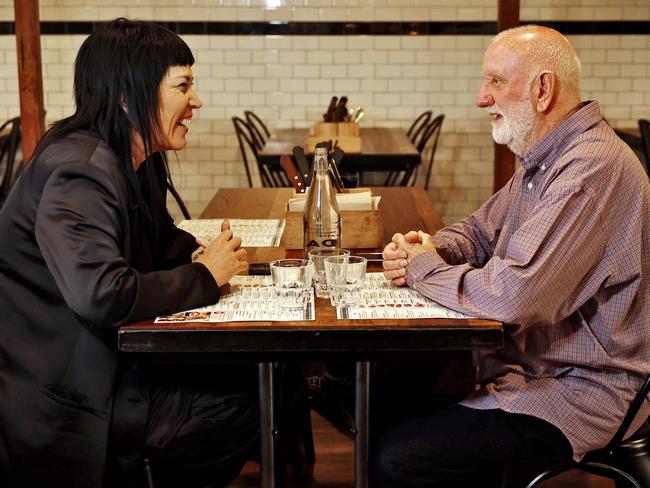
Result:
{"points": [[87, 245]]}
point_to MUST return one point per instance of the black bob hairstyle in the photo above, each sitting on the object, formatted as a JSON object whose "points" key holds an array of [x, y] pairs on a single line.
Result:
{"points": [[117, 75]]}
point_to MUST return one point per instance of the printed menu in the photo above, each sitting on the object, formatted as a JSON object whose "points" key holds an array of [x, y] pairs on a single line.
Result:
{"points": [[382, 300], [252, 298], [246, 298], [253, 232]]}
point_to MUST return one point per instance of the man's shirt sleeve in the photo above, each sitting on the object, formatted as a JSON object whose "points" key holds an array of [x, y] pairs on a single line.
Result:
{"points": [[543, 274], [473, 240]]}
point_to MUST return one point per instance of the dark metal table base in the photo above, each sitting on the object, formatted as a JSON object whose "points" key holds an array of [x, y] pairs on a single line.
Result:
{"points": [[362, 423], [268, 425], [271, 473]]}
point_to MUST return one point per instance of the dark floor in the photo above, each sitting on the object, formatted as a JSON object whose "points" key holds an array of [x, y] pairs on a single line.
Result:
{"points": [[334, 468]]}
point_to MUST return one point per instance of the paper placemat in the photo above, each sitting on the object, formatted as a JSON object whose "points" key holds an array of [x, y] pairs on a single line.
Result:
{"points": [[253, 232], [247, 298], [382, 300]]}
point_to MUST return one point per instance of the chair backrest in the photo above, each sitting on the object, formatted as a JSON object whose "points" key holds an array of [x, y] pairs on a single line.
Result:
{"points": [[418, 125], [9, 145], [271, 174], [635, 406], [179, 201], [257, 128], [274, 173], [246, 145], [292, 173], [625, 461], [429, 139], [414, 133], [644, 127]]}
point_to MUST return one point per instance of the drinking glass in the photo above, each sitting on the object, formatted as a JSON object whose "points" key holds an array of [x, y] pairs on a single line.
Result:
{"points": [[292, 281], [317, 256], [345, 277]]}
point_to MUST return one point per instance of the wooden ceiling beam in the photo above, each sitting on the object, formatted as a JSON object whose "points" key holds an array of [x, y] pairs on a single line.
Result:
{"points": [[30, 75]]}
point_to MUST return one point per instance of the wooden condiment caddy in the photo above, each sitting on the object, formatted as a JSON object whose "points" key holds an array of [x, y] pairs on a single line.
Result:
{"points": [[360, 229], [342, 134]]}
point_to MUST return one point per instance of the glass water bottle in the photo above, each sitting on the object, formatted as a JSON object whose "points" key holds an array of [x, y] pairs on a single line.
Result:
{"points": [[322, 219]]}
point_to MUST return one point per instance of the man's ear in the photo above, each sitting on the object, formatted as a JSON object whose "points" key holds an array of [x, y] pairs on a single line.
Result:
{"points": [[544, 90]]}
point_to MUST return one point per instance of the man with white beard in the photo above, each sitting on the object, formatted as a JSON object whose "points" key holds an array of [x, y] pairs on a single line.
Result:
{"points": [[561, 256]]}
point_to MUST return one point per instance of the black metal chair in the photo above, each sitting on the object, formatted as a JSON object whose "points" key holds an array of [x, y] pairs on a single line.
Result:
{"points": [[179, 201], [418, 126], [246, 145], [429, 133], [9, 145], [414, 133], [429, 139], [625, 461], [257, 128], [272, 175], [644, 127], [295, 421]]}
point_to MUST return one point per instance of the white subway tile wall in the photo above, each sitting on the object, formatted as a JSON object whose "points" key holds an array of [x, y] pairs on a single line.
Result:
{"points": [[288, 80]]}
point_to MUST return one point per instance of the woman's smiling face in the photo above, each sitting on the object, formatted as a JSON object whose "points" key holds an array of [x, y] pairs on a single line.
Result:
{"points": [[177, 100]]}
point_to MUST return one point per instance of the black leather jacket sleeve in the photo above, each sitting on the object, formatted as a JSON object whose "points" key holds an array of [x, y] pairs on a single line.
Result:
{"points": [[81, 227]]}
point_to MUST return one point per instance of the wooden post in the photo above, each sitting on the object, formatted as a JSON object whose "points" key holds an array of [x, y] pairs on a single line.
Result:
{"points": [[504, 159], [30, 77]]}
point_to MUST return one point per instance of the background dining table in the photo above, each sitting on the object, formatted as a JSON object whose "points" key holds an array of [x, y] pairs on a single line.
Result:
{"points": [[383, 149], [265, 342]]}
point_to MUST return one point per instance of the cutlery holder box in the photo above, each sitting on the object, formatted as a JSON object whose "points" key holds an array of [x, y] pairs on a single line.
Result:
{"points": [[360, 229], [342, 134]]}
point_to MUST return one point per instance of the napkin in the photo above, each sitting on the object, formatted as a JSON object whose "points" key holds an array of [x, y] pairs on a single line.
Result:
{"points": [[356, 199]]}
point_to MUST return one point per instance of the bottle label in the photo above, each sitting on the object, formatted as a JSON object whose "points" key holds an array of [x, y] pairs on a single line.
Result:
{"points": [[323, 243], [319, 237]]}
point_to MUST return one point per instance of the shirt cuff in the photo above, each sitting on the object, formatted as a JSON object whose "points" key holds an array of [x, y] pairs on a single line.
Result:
{"points": [[421, 266]]}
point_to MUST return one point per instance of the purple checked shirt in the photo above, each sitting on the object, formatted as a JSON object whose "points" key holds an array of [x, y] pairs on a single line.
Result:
{"points": [[561, 256]]}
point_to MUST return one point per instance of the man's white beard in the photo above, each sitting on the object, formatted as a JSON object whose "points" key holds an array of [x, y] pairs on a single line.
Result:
{"points": [[516, 126]]}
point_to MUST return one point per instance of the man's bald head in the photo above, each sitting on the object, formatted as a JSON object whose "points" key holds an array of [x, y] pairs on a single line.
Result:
{"points": [[531, 76], [544, 48]]}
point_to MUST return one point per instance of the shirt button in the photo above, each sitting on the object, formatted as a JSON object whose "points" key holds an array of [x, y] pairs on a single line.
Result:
{"points": [[530, 185], [543, 167]]}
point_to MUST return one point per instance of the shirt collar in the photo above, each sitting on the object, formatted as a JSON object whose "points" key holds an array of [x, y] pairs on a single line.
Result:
{"points": [[554, 144]]}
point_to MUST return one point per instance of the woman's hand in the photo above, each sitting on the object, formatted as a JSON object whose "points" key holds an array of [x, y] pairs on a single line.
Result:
{"points": [[203, 243], [223, 256]]}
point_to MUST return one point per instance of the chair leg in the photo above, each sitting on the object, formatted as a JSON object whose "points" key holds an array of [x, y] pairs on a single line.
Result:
{"points": [[308, 438], [305, 457], [300, 449], [296, 422], [148, 473], [634, 457], [623, 480], [549, 473], [621, 477]]}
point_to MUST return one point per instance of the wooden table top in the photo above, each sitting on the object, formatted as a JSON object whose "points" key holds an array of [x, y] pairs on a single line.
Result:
{"points": [[396, 212], [375, 141], [401, 209]]}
